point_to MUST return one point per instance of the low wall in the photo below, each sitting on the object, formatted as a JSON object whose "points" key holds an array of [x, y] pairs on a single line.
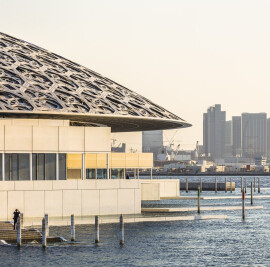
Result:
{"points": [[156, 188], [63, 198]]}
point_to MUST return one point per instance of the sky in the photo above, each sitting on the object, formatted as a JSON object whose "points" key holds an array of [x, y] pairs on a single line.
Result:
{"points": [[183, 55]]}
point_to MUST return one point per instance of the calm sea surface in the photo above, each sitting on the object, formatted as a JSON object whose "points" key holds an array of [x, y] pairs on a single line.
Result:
{"points": [[230, 242]]}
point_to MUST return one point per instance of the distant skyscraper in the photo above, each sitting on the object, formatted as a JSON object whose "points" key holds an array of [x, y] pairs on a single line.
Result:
{"points": [[228, 138], [254, 134], [214, 132], [152, 141], [236, 136], [268, 138]]}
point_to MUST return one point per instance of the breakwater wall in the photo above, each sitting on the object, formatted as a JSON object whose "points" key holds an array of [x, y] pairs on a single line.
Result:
{"points": [[208, 186]]}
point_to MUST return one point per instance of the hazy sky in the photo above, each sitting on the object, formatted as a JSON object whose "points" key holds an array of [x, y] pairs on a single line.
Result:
{"points": [[184, 55]]}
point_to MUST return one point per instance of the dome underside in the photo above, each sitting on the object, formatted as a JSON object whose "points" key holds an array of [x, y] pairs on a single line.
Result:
{"points": [[33, 80]]}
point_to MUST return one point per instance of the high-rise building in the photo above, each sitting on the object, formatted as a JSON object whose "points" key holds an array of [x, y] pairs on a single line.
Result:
{"points": [[214, 132], [152, 141], [236, 136], [254, 135], [268, 138], [228, 138]]}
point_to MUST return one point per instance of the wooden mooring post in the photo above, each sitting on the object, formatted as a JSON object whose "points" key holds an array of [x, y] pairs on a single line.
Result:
{"points": [[225, 184], [44, 237], [243, 204], [72, 227], [251, 193], [47, 224], [199, 203], [121, 230], [254, 184], [216, 184], [19, 232], [96, 229], [259, 185], [186, 184], [241, 184]]}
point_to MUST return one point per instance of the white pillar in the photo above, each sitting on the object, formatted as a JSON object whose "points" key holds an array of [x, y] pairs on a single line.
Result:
{"points": [[108, 167], [30, 167], [3, 166], [57, 166], [83, 166]]}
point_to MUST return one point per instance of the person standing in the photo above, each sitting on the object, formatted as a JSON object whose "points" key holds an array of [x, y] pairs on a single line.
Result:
{"points": [[16, 215]]}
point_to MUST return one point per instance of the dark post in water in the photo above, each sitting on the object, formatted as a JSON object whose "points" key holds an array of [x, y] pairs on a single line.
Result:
{"points": [[19, 232], [186, 184], [121, 230], [199, 204], [72, 228], [259, 185], [251, 193], [241, 184], [96, 229], [243, 204], [254, 184], [216, 184], [225, 184], [44, 237], [246, 185]]}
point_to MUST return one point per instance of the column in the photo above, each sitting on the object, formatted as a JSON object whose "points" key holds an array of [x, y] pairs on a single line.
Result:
{"points": [[151, 173]]}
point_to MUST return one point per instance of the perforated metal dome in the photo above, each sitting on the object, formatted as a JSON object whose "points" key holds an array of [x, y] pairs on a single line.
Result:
{"points": [[35, 83]]}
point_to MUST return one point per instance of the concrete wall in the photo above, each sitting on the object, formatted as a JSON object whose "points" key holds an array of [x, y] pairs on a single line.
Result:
{"points": [[167, 188], [63, 198], [49, 136]]}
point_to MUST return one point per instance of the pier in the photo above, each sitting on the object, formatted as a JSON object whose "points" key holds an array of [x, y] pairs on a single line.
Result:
{"points": [[207, 186]]}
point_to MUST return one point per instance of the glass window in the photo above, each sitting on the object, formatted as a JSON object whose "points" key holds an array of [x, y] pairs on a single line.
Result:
{"points": [[117, 173], [23, 167], [34, 166], [74, 166], [101, 173], [62, 167], [50, 166], [40, 166], [90, 173], [14, 167], [7, 166]]}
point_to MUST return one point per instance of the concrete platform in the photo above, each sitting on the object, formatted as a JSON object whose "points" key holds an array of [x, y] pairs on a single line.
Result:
{"points": [[156, 210], [216, 197], [127, 219]]}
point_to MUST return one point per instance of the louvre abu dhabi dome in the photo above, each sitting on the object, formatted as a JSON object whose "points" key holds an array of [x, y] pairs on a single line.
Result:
{"points": [[35, 83]]}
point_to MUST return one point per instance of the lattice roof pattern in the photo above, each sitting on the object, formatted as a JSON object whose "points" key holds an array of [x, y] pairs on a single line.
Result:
{"points": [[34, 79]]}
